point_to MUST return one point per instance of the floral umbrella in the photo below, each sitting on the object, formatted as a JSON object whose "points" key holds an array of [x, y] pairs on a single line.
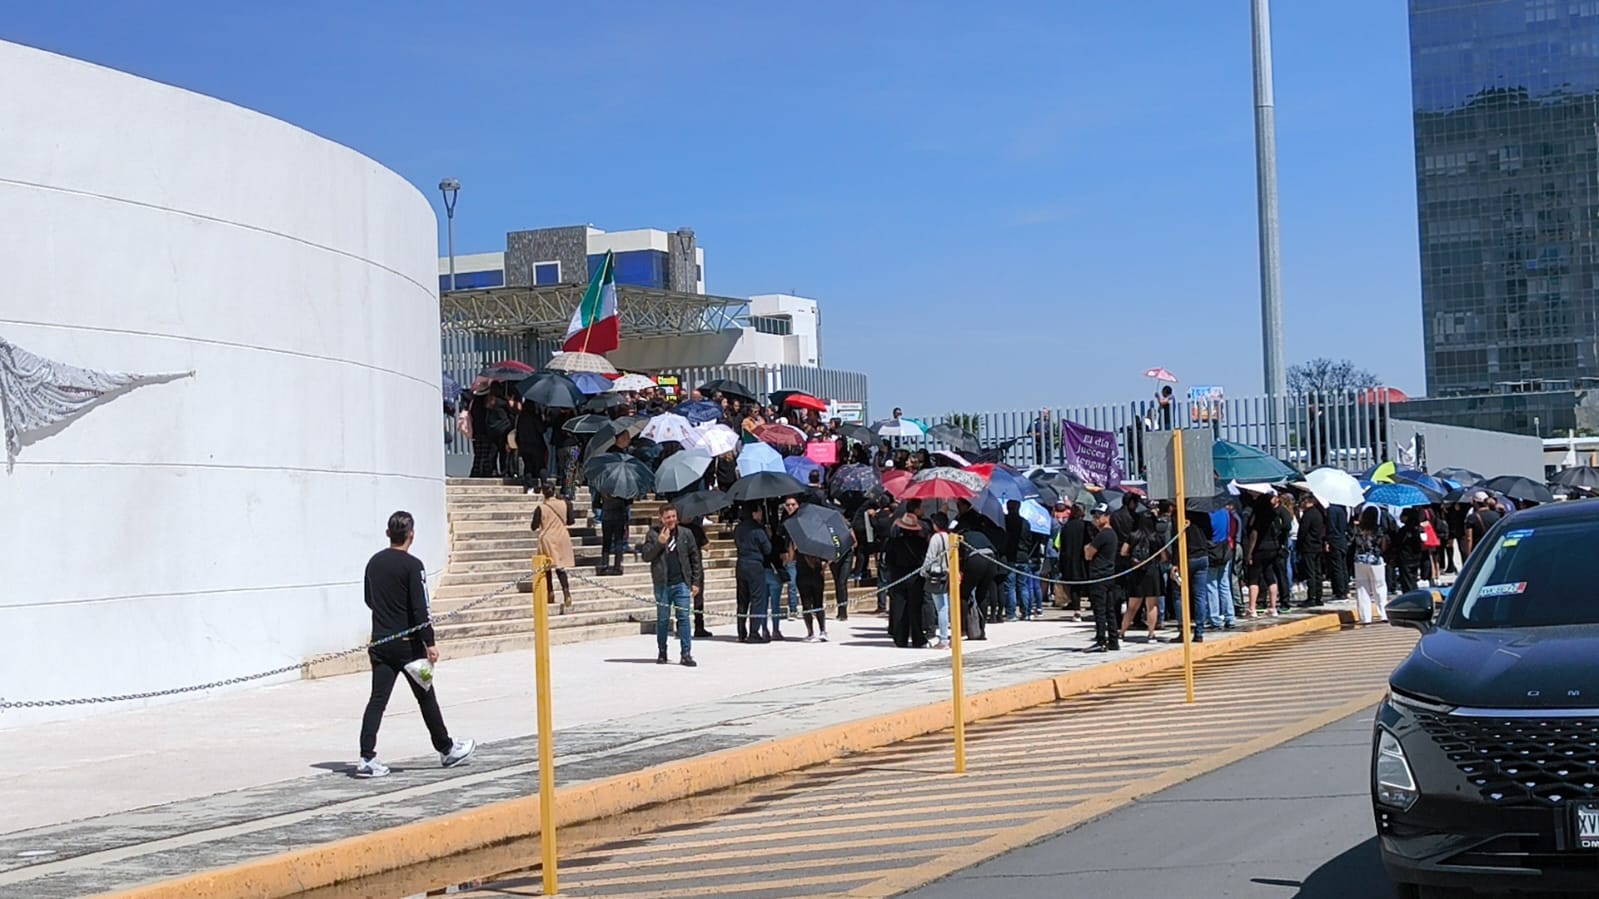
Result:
{"points": [[632, 383], [967, 479]]}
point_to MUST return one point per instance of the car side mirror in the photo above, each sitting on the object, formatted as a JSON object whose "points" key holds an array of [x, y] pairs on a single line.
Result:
{"points": [[1413, 609]]}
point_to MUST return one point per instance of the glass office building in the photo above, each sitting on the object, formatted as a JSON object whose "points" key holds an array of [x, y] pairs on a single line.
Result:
{"points": [[1506, 96]]}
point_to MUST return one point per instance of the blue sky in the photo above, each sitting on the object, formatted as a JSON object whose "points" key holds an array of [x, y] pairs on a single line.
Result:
{"points": [[997, 208]]}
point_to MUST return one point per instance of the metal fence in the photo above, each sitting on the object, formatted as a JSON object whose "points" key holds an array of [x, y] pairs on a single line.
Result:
{"points": [[1343, 430]]}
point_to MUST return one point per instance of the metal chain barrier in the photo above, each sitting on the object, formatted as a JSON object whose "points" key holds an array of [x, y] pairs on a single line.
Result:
{"points": [[261, 675], [710, 613], [1154, 556]]}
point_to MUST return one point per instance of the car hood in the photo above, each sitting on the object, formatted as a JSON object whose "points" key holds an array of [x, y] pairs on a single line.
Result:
{"points": [[1550, 667]]}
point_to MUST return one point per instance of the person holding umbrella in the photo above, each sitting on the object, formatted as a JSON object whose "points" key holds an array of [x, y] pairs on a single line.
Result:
{"points": [[754, 547], [678, 575], [935, 571], [810, 579]]}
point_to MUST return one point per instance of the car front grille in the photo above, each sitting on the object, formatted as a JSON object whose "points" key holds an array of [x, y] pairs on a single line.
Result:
{"points": [[1521, 761]]}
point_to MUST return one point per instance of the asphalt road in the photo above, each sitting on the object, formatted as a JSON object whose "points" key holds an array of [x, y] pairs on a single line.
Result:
{"points": [[1294, 821]]}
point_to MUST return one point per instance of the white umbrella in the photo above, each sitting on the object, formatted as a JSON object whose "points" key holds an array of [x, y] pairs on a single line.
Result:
{"points": [[1335, 488], [574, 362], [716, 439], [668, 426], [632, 384], [899, 427]]}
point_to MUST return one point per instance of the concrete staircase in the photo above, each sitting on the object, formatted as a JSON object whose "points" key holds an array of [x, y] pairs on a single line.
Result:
{"points": [[492, 543]]}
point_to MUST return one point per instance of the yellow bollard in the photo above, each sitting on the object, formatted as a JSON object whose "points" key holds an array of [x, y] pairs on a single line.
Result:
{"points": [[1181, 524], [955, 651], [541, 672]]}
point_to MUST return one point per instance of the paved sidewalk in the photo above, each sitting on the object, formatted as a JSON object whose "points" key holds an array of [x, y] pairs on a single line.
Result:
{"points": [[144, 795]]}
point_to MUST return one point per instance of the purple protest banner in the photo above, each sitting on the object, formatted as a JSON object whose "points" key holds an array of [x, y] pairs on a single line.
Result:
{"points": [[1091, 456]]}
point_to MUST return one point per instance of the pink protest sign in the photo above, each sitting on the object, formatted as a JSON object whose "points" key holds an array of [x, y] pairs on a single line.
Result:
{"points": [[822, 452]]}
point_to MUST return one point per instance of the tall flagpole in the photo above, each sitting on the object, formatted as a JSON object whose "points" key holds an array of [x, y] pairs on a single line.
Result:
{"points": [[1271, 301]]}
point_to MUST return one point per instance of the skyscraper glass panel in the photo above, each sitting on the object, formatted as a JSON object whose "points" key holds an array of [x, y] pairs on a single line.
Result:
{"points": [[1506, 97]]}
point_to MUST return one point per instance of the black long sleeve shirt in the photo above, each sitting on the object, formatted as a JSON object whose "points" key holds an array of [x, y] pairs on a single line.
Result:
{"points": [[396, 592]]}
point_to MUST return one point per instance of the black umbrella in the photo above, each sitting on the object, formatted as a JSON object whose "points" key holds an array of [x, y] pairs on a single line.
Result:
{"points": [[585, 424], [959, 439], [1465, 477], [604, 402], [1208, 504], [764, 485], [1058, 482], [819, 531], [996, 453], [858, 433], [727, 388], [551, 390], [510, 370], [701, 503], [854, 478], [619, 475], [605, 437], [1584, 476], [1520, 489]]}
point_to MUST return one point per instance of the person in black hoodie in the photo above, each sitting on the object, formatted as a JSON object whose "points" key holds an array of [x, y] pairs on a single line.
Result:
{"points": [[531, 445], [1018, 551], [1338, 550], [903, 554], [754, 548], [1312, 548], [882, 522]]}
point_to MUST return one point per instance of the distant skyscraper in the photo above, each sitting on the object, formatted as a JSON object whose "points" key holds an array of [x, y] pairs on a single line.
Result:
{"points": [[1506, 96]]}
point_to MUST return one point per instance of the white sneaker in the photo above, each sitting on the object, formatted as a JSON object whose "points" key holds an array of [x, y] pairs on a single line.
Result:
{"points": [[821, 638], [810, 638], [371, 768], [460, 752]]}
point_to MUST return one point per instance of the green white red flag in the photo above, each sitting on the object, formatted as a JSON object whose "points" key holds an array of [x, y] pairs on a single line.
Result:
{"points": [[596, 323]]}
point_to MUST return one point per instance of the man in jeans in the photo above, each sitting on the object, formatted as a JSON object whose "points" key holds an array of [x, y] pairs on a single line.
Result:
{"points": [[396, 592], [678, 575]]}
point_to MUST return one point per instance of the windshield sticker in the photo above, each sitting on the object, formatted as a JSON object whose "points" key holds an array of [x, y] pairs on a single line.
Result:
{"points": [[1512, 538], [1515, 589]]}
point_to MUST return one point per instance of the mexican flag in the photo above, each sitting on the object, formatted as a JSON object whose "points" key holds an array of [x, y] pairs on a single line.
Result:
{"points": [[596, 324]]}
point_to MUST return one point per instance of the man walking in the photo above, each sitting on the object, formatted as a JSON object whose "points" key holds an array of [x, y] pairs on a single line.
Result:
{"points": [[1100, 553], [678, 576], [396, 592]]}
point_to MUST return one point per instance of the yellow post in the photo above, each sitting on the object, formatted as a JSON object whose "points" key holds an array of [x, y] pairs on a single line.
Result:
{"points": [[955, 651], [541, 672], [1181, 523]]}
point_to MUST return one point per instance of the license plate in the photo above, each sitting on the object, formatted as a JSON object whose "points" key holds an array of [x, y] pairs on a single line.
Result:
{"points": [[1585, 824]]}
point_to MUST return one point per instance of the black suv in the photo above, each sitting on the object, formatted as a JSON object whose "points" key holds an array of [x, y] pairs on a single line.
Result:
{"points": [[1485, 759]]}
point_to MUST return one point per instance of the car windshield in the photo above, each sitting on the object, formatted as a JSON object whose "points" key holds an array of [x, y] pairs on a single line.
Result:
{"points": [[1533, 577]]}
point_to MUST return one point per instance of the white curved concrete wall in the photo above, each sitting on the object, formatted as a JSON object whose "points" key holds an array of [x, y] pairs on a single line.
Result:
{"points": [[218, 525]]}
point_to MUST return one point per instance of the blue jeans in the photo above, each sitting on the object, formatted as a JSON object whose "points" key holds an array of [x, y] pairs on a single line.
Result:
{"points": [[793, 587], [1016, 603], [1035, 589], [774, 601], [1198, 596], [941, 603], [1219, 596], [676, 597]]}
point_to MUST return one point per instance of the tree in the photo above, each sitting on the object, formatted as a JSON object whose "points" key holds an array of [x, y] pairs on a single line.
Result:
{"points": [[966, 421], [1323, 375]]}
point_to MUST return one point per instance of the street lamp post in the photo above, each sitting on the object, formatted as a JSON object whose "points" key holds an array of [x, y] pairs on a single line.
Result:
{"points": [[449, 187], [1271, 301]]}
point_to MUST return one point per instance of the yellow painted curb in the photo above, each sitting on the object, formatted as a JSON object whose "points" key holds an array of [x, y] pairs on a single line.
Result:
{"points": [[423, 841]]}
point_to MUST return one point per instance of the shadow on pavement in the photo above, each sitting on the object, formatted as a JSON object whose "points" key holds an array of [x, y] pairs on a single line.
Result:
{"points": [[1356, 871]]}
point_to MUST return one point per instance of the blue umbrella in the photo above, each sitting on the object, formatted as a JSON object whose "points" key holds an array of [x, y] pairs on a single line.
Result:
{"points": [[1003, 486], [1402, 496], [1239, 462], [757, 457], [801, 467], [1433, 487], [699, 412], [591, 383]]}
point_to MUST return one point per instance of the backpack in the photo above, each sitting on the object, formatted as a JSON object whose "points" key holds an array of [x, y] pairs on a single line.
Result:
{"points": [[1140, 547]]}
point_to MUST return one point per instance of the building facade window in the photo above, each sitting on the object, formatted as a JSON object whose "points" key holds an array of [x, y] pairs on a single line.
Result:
{"points": [[472, 280], [546, 273]]}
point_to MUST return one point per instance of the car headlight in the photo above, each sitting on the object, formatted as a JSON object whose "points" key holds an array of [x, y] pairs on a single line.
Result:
{"points": [[1396, 786]]}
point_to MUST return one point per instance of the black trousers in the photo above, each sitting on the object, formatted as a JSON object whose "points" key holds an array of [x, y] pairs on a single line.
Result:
{"points": [[485, 457], [905, 614], [1311, 562], [613, 539], [841, 574], [1107, 621], [533, 465], [1338, 571], [388, 663], [751, 583], [814, 607]]}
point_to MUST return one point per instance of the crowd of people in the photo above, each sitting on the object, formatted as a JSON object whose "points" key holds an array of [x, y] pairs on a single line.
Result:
{"points": [[1262, 552]]}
